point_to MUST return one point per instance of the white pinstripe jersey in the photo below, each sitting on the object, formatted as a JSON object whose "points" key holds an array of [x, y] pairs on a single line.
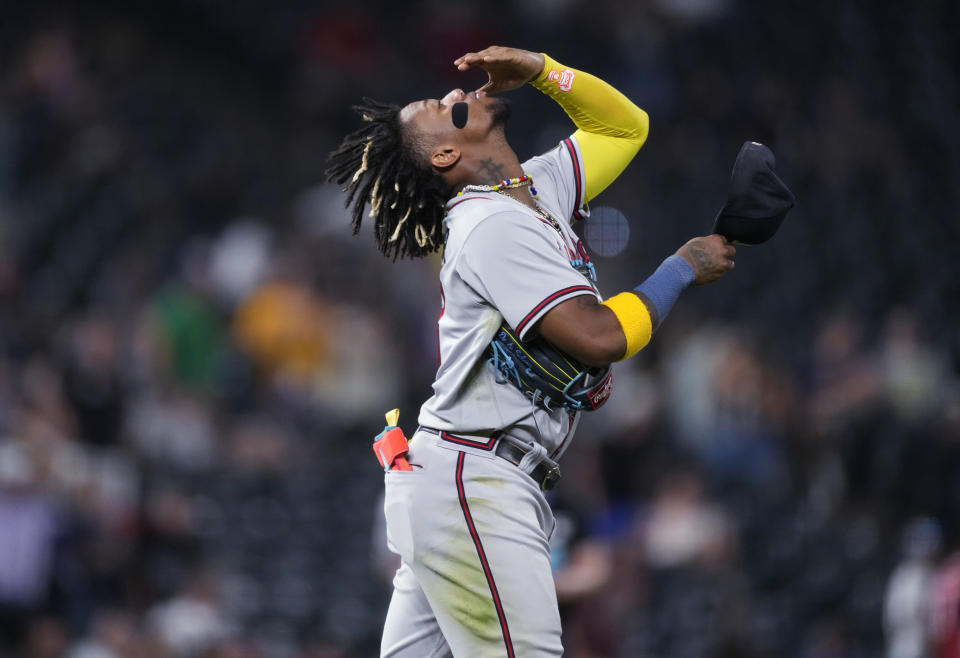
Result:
{"points": [[502, 261]]}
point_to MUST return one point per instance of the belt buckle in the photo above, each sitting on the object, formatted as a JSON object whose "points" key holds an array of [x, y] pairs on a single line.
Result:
{"points": [[551, 478]]}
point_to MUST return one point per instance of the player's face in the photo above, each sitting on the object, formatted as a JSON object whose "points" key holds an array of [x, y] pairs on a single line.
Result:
{"points": [[434, 117]]}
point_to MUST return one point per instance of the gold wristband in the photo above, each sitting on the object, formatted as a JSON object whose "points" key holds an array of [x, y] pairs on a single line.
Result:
{"points": [[634, 320]]}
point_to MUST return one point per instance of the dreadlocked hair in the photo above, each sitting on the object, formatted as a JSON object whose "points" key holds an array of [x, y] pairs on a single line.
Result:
{"points": [[383, 166]]}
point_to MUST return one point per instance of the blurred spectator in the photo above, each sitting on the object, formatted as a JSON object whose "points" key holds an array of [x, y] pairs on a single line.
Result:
{"points": [[751, 402], [173, 428], [946, 609], [191, 622], [42, 390], [681, 527], [93, 380], [912, 373], [845, 379], [845, 401], [171, 540], [191, 336], [363, 379], [283, 326], [907, 619], [114, 635], [583, 565], [29, 531], [260, 447], [689, 553], [688, 371], [239, 259]]}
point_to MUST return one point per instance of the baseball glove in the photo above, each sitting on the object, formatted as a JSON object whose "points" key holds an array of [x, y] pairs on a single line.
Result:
{"points": [[546, 375]]}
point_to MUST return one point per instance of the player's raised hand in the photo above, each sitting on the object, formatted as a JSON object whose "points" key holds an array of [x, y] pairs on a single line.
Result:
{"points": [[710, 256], [507, 68]]}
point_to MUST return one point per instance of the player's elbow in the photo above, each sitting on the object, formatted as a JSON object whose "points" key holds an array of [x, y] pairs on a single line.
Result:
{"points": [[641, 127], [598, 347], [602, 355], [635, 130]]}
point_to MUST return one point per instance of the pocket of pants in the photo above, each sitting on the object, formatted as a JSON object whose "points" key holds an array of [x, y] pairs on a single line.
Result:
{"points": [[396, 509]]}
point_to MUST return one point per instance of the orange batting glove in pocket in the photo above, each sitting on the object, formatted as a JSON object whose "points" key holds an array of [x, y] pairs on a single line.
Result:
{"points": [[391, 445]]}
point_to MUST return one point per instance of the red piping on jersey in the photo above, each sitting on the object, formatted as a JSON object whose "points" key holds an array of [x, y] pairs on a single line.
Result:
{"points": [[483, 558], [443, 307], [582, 251], [577, 178], [469, 198], [539, 307], [446, 436]]}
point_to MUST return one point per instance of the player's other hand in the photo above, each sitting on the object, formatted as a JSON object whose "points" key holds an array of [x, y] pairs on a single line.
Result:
{"points": [[507, 68], [710, 256]]}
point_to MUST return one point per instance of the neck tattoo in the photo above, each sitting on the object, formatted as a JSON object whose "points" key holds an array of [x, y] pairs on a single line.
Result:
{"points": [[491, 168]]}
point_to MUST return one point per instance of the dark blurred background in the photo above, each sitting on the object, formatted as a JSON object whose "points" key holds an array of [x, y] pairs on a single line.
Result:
{"points": [[195, 353]]}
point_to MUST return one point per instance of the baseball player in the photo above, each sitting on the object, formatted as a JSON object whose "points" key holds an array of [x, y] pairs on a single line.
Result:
{"points": [[465, 505]]}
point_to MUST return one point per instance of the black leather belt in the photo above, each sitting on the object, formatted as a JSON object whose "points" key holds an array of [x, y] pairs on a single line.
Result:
{"points": [[546, 473]]}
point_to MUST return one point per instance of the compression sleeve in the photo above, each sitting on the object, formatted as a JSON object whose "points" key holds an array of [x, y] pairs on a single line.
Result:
{"points": [[611, 129]]}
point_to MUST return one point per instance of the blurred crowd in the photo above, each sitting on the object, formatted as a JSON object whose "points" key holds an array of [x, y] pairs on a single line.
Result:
{"points": [[195, 353]]}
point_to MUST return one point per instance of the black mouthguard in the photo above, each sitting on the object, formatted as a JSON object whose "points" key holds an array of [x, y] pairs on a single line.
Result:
{"points": [[459, 114]]}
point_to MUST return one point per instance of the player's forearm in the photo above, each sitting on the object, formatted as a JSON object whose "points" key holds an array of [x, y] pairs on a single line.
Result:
{"points": [[599, 333], [611, 128], [640, 311], [592, 104]]}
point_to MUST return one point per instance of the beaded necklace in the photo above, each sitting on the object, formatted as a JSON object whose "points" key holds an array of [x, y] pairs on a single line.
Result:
{"points": [[506, 184], [512, 184]]}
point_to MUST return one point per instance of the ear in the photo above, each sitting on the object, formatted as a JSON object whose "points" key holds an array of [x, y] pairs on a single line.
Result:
{"points": [[444, 157]]}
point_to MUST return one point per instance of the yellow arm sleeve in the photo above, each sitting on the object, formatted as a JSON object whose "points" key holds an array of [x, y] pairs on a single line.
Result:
{"points": [[611, 129]]}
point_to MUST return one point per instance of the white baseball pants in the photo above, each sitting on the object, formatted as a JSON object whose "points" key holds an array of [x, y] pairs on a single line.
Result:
{"points": [[475, 579]]}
